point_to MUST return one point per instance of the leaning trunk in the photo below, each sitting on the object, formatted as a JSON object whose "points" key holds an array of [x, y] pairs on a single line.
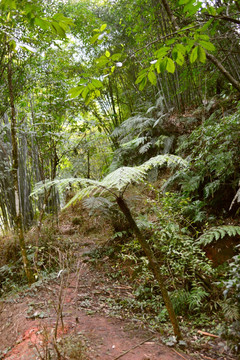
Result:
{"points": [[153, 264]]}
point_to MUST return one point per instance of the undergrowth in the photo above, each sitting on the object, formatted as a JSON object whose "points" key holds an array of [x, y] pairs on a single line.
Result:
{"points": [[49, 254], [197, 289]]}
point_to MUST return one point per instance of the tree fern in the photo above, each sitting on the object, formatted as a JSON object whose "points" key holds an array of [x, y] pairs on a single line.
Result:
{"points": [[116, 182], [215, 233]]}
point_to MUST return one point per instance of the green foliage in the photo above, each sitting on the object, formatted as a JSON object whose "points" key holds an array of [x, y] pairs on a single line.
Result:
{"points": [[213, 151], [216, 233], [142, 135], [115, 183], [184, 265], [109, 212], [231, 303], [193, 300], [87, 89]]}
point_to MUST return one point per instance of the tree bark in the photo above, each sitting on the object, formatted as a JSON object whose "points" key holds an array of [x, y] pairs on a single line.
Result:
{"points": [[153, 264], [222, 69], [15, 166]]}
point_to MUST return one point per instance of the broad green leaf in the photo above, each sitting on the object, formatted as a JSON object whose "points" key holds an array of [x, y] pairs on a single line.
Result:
{"points": [[180, 59], [59, 17], [97, 93], [140, 78], [91, 86], [162, 52], [170, 67], [63, 25], [113, 68], [203, 37], [57, 29], [97, 83], [9, 4], [194, 55], [102, 61], [143, 83], [171, 41], [94, 38], [88, 98], [85, 92], [207, 25], [116, 57], [103, 27], [207, 45], [83, 81], [180, 48], [107, 54], [201, 54], [192, 7], [76, 91], [152, 78], [163, 65], [43, 24], [190, 44]]}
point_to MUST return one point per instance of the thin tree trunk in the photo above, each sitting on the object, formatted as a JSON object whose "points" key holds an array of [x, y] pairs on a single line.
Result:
{"points": [[224, 71], [153, 264], [15, 166]]}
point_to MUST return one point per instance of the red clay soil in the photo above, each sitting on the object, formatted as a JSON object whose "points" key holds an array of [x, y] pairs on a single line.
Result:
{"points": [[28, 322]]}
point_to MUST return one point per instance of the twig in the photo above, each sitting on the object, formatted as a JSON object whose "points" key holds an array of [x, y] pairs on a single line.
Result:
{"points": [[179, 354], [207, 357], [132, 348], [160, 39], [207, 334]]}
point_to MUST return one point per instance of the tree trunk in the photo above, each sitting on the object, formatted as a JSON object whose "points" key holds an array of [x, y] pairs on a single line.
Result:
{"points": [[224, 71], [15, 166], [153, 264]]}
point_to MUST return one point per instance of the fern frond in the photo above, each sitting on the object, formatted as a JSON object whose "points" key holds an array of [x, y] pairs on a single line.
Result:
{"points": [[197, 295], [120, 178], [94, 203], [81, 194], [134, 143], [160, 160], [41, 186], [230, 310], [215, 233], [143, 149], [115, 182]]}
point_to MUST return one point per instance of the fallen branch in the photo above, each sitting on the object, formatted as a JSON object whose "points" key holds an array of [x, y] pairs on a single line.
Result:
{"points": [[132, 348], [207, 334], [179, 354]]}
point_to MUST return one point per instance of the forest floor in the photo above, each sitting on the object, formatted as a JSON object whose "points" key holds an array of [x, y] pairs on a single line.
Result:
{"points": [[74, 314]]}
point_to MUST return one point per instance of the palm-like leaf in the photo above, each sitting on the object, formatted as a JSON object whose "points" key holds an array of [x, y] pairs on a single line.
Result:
{"points": [[120, 178], [160, 160], [116, 182]]}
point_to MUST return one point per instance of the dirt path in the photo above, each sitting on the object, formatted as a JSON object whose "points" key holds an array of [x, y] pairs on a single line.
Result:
{"points": [[28, 322]]}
